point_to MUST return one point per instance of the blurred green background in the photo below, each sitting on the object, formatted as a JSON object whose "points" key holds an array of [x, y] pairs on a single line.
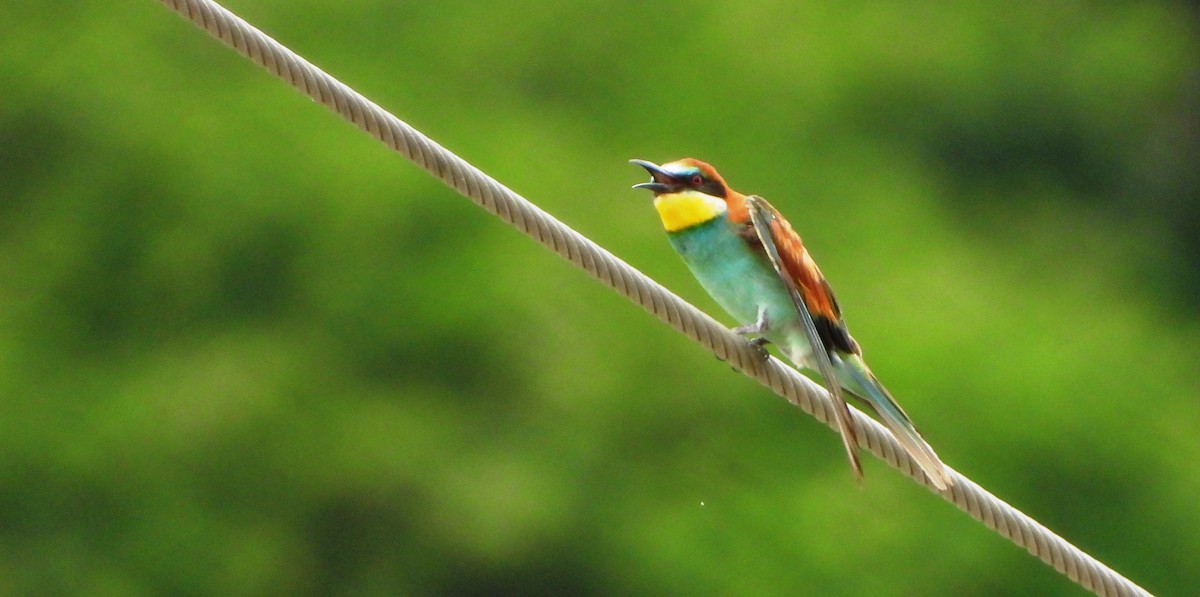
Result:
{"points": [[246, 350]]}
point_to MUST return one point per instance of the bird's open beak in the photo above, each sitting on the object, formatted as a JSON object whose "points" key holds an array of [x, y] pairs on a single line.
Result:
{"points": [[663, 181]]}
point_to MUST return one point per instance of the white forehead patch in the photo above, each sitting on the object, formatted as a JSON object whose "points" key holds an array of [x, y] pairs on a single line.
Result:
{"points": [[679, 168]]}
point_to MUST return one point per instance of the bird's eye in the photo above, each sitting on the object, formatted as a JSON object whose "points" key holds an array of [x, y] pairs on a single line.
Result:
{"points": [[697, 180]]}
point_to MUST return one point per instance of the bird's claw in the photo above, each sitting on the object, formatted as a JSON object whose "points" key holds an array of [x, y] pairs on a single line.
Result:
{"points": [[759, 345]]}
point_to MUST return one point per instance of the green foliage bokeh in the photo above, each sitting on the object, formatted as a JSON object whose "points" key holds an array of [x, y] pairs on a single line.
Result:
{"points": [[244, 349]]}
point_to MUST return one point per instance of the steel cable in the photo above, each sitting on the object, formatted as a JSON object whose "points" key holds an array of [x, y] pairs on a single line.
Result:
{"points": [[641, 290]]}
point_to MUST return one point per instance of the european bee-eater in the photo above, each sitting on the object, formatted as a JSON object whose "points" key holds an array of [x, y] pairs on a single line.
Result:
{"points": [[753, 263]]}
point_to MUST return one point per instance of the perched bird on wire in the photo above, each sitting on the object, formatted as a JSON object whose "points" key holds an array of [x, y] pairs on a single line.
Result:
{"points": [[753, 263]]}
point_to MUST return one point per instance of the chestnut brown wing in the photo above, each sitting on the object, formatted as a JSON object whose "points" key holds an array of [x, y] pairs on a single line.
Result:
{"points": [[801, 276]]}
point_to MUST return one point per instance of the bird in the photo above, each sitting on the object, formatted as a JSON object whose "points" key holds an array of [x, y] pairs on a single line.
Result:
{"points": [[754, 264]]}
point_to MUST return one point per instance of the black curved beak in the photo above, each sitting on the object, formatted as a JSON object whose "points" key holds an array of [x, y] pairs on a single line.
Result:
{"points": [[663, 181]]}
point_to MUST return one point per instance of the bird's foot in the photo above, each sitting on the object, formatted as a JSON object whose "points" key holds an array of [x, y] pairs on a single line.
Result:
{"points": [[759, 345]]}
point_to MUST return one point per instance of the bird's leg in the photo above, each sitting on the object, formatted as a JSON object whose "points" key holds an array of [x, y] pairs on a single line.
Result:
{"points": [[760, 326]]}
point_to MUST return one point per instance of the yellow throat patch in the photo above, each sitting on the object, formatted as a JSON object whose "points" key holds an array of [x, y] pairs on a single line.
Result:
{"points": [[687, 209]]}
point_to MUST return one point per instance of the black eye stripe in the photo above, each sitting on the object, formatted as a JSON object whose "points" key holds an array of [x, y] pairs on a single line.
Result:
{"points": [[712, 187], [696, 179]]}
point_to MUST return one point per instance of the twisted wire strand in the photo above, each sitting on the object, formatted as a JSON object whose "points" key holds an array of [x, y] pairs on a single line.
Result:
{"points": [[641, 290]]}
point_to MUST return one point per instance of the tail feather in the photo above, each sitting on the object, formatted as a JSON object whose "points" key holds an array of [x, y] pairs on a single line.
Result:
{"points": [[841, 414], [859, 381]]}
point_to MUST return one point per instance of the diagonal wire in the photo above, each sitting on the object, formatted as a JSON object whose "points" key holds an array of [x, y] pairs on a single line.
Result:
{"points": [[641, 290]]}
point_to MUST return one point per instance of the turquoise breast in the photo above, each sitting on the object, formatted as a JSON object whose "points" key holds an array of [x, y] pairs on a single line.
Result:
{"points": [[739, 279]]}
